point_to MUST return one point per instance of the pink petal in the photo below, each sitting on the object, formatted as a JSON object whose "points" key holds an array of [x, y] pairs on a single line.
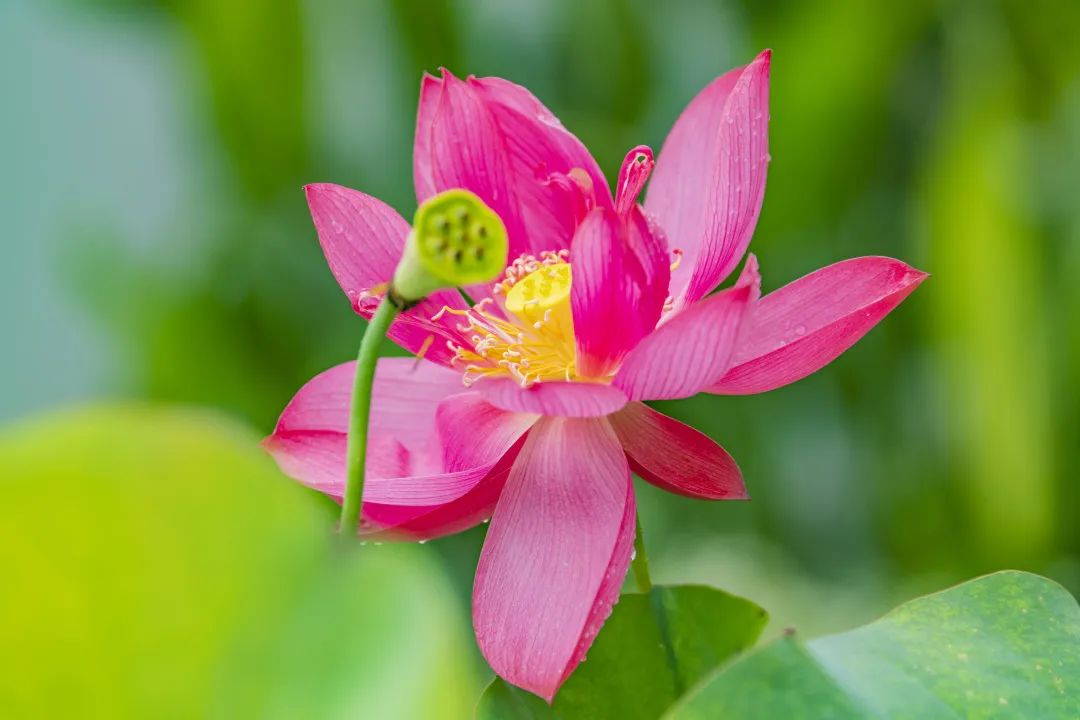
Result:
{"points": [[709, 180], [805, 325], [494, 138], [431, 91], [466, 150], [318, 461], [560, 399], [309, 439], [316, 458], [405, 397], [399, 522], [635, 170], [411, 463], [676, 457], [363, 239], [474, 436], [423, 491], [751, 277], [691, 351], [539, 146], [620, 272], [473, 431], [556, 553], [536, 139]]}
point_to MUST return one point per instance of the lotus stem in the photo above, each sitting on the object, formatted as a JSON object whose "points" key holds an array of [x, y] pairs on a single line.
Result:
{"points": [[640, 561], [360, 413]]}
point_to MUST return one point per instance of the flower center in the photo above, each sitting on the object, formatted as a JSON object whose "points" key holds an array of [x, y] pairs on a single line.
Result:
{"points": [[525, 331], [547, 288]]}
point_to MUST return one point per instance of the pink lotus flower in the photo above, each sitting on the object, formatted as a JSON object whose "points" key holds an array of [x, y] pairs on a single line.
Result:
{"points": [[527, 406]]}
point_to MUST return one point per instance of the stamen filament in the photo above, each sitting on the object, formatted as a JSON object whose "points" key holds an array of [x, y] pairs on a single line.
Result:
{"points": [[525, 330]]}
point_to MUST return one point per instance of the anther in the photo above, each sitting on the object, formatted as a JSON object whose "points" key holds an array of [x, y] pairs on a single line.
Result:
{"points": [[678, 258]]}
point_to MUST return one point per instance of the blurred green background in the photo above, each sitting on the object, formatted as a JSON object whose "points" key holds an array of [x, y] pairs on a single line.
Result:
{"points": [[157, 246]]}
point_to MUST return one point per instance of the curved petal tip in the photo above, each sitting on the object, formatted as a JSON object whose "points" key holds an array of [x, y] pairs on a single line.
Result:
{"points": [[805, 325]]}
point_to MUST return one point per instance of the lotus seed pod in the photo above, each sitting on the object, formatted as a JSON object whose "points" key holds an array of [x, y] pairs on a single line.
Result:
{"points": [[456, 240]]}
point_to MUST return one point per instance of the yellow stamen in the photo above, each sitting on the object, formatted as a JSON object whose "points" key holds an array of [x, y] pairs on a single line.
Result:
{"points": [[677, 253], [424, 347], [529, 333]]}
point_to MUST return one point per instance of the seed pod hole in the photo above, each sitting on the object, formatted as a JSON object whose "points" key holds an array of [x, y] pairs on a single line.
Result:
{"points": [[462, 241]]}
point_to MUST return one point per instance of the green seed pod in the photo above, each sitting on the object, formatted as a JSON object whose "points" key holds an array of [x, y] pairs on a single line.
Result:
{"points": [[456, 240]]}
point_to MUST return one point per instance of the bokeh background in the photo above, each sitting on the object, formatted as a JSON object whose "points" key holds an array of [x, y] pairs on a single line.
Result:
{"points": [[157, 248]]}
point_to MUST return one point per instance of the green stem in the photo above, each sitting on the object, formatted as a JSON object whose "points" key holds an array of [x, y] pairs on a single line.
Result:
{"points": [[359, 412], [640, 563]]}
